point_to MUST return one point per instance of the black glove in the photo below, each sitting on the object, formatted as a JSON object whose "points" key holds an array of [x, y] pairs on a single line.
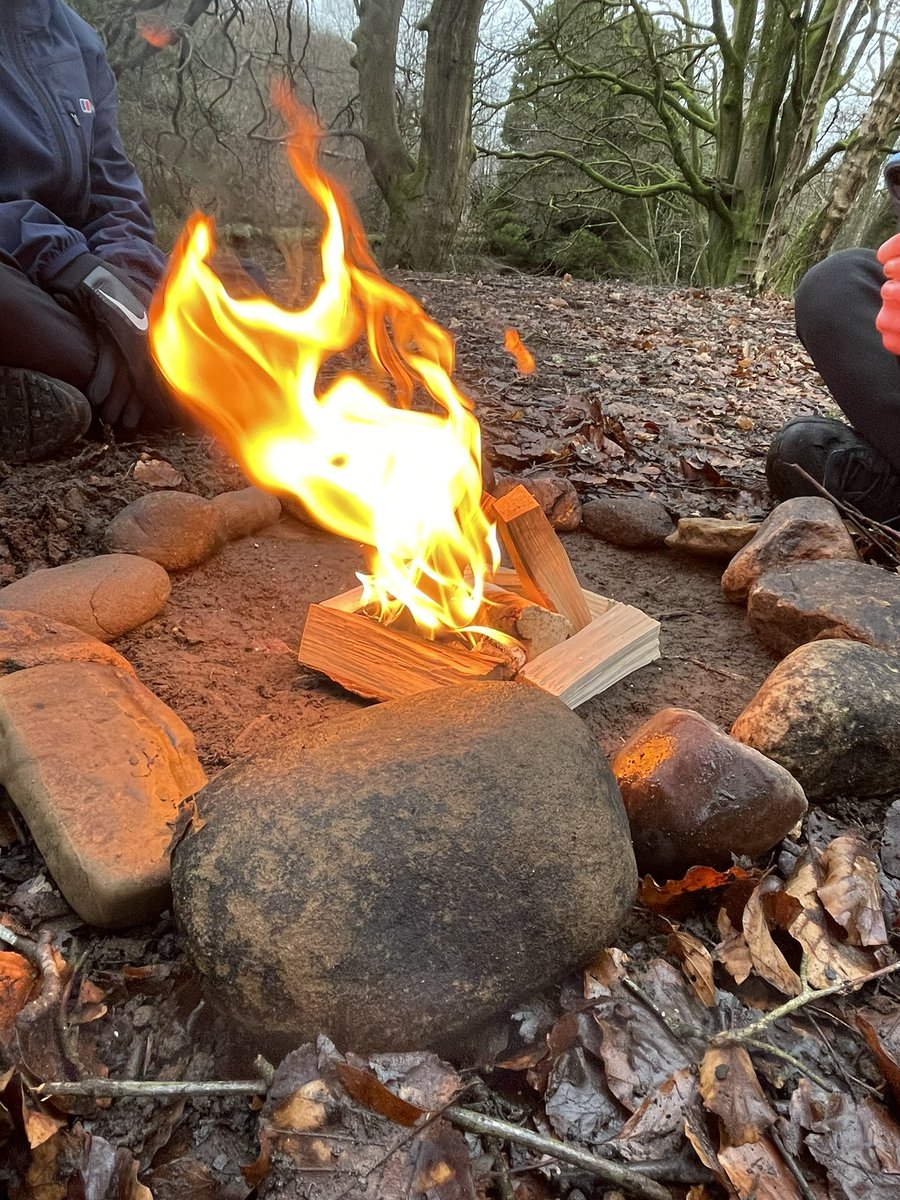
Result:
{"points": [[125, 388]]}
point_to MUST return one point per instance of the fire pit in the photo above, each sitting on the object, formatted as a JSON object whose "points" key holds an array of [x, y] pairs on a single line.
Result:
{"points": [[387, 454]]}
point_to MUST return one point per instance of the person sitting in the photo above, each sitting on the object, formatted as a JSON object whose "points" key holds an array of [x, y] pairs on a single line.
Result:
{"points": [[848, 318], [78, 257]]}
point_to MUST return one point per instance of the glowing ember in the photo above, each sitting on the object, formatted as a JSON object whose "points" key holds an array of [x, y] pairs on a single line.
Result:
{"points": [[157, 35], [513, 344], [364, 463]]}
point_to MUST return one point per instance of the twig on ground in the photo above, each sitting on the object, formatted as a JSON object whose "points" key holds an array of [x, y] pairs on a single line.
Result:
{"points": [[501, 1169], [749, 1033], [160, 1089], [623, 1177], [777, 1052], [792, 1166], [886, 539], [22, 945]]}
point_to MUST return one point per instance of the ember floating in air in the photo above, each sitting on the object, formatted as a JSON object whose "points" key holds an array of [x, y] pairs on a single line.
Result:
{"points": [[271, 384], [513, 344]]}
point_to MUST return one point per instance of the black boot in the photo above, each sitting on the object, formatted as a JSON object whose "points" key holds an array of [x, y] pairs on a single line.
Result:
{"points": [[838, 458], [39, 415]]}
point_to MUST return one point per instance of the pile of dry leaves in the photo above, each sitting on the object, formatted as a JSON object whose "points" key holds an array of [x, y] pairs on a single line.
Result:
{"points": [[758, 1056]]}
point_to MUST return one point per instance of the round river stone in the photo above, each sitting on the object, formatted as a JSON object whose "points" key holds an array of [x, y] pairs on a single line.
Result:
{"points": [[398, 877]]}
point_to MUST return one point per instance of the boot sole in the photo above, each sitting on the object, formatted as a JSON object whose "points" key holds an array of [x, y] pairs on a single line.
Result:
{"points": [[39, 415]]}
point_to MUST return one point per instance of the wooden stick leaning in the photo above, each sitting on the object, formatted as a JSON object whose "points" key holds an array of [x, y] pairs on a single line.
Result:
{"points": [[541, 562]]}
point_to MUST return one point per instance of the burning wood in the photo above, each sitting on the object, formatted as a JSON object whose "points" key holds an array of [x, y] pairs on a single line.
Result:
{"points": [[370, 463]]}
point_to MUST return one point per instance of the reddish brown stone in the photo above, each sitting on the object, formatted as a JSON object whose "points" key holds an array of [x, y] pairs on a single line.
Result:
{"points": [[803, 529], [556, 496], [709, 537], [29, 640], [243, 512], [695, 796], [97, 765], [809, 600], [104, 596], [174, 529]]}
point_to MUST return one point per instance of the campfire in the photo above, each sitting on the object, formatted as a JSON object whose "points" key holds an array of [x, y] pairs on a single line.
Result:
{"points": [[349, 407]]}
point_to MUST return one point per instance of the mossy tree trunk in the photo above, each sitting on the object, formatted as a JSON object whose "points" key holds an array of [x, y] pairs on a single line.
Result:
{"points": [[425, 187]]}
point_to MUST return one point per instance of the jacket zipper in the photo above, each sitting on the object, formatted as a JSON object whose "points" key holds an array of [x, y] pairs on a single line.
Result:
{"points": [[49, 109]]}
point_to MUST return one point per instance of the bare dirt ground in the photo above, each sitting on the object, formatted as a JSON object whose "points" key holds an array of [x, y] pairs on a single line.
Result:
{"points": [[671, 394]]}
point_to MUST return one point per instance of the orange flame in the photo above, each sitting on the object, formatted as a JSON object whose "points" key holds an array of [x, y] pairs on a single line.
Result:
{"points": [[514, 345], [157, 35], [362, 460]]}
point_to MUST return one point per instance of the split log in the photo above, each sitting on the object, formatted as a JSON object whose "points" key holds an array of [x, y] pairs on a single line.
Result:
{"points": [[537, 627], [375, 661], [538, 556], [619, 640]]}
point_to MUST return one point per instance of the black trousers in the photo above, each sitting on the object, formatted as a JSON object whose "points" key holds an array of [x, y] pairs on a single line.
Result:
{"points": [[835, 309], [39, 335]]}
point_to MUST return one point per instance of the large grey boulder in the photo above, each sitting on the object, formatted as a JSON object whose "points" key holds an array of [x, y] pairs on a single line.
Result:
{"points": [[399, 876], [850, 600], [806, 528], [830, 714]]}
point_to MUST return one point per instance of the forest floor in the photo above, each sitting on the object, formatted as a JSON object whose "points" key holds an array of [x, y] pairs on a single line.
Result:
{"points": [[672, 394]]}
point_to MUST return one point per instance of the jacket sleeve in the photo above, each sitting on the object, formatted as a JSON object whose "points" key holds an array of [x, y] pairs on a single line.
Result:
{"points": [[39, 242], [119, 228]]}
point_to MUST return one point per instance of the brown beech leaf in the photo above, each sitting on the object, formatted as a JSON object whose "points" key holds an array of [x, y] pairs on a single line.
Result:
{"points": [[19, 983], [882, 1033], [367, 1090], [851, 893], [698, 879], [767, 959], [757, 1171], [829, 960], [731, 1090], [733, 952], [656, 1129], [856, 1141], [696, 963]]}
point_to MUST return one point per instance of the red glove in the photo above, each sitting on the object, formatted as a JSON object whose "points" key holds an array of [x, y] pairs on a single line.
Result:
{"points": [[888, 321]]}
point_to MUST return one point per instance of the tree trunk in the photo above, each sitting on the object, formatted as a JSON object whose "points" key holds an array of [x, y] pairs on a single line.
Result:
{"points": [[817, 235], [425, 196]]}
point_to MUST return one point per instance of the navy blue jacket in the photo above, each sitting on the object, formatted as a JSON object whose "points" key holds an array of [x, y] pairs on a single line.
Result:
{"points": [[66, 184]]}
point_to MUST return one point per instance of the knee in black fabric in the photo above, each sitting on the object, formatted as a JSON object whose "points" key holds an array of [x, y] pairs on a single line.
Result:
{"points": [[838, 286]]}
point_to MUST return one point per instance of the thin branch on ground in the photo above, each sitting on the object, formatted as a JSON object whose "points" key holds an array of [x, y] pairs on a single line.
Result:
{"points": [[886, 539], [625, 1178], [22, 945], [750, 1033], [153, 1089]]}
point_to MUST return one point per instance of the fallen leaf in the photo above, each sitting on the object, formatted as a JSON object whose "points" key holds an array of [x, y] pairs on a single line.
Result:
{"points": [[767, 959], [882, 1033], [696, 963], [731, 1090], [698, 879], [850, 892], [157, 473], [733, 952], [365, 1088], [19, 983], [757, 1171]]}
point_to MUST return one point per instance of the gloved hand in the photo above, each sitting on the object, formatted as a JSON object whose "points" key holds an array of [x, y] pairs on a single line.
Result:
{"points": [[888, 320], [126, 387]]}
